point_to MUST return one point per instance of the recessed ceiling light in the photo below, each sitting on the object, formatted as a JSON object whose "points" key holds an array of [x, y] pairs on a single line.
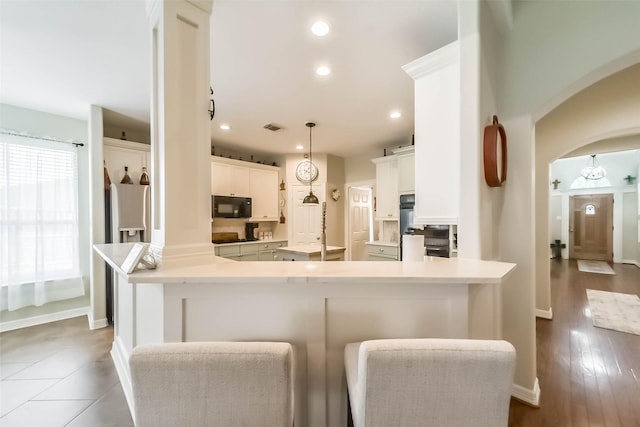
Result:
{"points": [[225, 127], [395, 114], [299, 147], [320, 28], [323, 71]]}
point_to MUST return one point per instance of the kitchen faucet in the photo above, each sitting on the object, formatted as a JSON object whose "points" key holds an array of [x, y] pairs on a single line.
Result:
{"points": [[323, 235]]}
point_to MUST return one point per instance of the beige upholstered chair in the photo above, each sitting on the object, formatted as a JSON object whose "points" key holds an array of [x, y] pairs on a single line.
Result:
{"points": [[429, 382], [213, 384]]}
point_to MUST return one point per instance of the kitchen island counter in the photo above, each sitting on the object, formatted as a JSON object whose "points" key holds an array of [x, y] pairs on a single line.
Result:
{"points": [[309, 253], [316, 306]]}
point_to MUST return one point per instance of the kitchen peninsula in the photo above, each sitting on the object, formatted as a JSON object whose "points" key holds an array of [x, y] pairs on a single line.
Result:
{"points": [[316, 306]]}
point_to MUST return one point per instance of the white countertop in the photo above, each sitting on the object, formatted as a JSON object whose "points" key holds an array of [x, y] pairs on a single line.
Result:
{"points": [[381, 243], [217, 269], [310, 249], [249, 242]]}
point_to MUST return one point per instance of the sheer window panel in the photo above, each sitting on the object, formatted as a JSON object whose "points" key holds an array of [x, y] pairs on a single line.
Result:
{"points": [[39, 260]]}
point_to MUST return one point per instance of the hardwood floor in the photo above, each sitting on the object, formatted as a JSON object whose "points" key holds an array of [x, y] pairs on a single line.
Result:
{"points": [[588, 376], [61, 374]]}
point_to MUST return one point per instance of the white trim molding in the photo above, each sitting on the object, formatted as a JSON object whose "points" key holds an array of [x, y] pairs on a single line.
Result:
{"points": [[544, 314], [42, 319], [531, 397], [433, 61], [99, 323], [121, 362]]}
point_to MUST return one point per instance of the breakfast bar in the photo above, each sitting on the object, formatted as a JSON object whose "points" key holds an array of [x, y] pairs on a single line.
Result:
{"points": [[318, 307]]}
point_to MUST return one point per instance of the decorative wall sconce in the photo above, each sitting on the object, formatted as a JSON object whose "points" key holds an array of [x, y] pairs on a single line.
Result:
{"points": [[555, 183], [630, 179]]}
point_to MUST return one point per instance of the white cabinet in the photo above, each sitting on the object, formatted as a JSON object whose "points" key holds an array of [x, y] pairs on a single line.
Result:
{"points": [[250, 251], [381, 252], [437, 136], [264, 194], [406, 169], [229, 180], [236, 178], [387, 203]]}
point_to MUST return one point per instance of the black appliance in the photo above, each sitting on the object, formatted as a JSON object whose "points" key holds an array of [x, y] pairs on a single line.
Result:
{"points": [[230, 207], [436, 240], [249, 230], [407, 202]]}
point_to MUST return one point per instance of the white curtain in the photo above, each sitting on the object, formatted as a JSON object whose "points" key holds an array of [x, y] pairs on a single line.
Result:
{"points": [[39, 259]]}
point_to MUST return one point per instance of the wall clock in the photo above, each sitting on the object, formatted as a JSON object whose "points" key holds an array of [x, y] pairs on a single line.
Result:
{"points": [[306, 171], [495, 154]]}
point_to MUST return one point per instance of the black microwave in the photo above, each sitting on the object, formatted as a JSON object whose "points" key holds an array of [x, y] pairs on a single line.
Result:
{"points": [[230, 207]]}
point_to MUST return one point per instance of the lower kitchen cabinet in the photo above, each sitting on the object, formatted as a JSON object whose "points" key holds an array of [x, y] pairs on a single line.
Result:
{"points": [[268, 250], [381, 252], [250, 251]]}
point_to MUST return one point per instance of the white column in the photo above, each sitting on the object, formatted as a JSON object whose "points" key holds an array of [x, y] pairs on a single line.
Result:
{"points": [[98, 305], [180, 128]]}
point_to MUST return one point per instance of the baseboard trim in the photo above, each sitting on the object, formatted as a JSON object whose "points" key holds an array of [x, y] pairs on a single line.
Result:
{"points": [[121, 362], [97, 324], [530, 397], [632, 262], [42, 319], [545, 314]]}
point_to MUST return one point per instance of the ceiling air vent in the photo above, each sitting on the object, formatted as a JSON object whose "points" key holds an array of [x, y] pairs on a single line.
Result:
{"points": [[272, 127]]}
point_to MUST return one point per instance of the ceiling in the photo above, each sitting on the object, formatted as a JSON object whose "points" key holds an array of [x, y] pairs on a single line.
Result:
{"points": [[62, 56]]}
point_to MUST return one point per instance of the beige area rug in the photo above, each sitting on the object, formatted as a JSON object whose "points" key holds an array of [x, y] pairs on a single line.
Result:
{"points": [[613, 310], [595, 267]]}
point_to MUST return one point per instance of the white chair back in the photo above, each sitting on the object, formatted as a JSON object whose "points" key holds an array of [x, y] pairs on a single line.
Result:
{"points": [[430, 382], [213, 384]]}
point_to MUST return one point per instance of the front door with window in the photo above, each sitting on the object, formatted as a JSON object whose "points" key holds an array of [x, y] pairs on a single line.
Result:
{"points": [[591, 227]]}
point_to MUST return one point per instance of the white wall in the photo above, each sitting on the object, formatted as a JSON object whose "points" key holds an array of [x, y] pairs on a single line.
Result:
{"points": [[630, 228], [43, 124], [360, 168], [335, 209], [618, 165], [490, 218]]}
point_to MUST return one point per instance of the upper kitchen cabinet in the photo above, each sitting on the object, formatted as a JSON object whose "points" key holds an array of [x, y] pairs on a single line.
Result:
{"points": [[406, 169], [229, 179], [437, 135], [264, 194], [236, 178], [387, 205]]}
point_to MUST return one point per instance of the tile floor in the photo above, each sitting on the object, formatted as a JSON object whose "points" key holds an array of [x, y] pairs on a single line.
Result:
{"points": [[60, 374]]}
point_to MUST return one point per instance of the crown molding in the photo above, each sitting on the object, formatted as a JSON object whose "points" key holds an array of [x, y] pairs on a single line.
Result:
{"points": [[434, 61]]}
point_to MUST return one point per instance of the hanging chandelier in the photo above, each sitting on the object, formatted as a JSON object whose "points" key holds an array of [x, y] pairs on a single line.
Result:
{"points": [[593, 171], [311, 198]]}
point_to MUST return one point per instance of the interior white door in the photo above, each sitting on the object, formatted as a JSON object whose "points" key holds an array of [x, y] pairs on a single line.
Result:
{"points": [[306, 219], [359, 222]]}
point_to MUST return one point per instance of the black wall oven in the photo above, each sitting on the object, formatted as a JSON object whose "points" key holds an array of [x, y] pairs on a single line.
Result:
{"points": [[230, 207]]}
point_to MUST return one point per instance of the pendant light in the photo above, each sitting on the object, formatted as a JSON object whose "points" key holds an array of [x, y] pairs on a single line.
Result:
{"points": [[311, 198], [593, 171]]}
